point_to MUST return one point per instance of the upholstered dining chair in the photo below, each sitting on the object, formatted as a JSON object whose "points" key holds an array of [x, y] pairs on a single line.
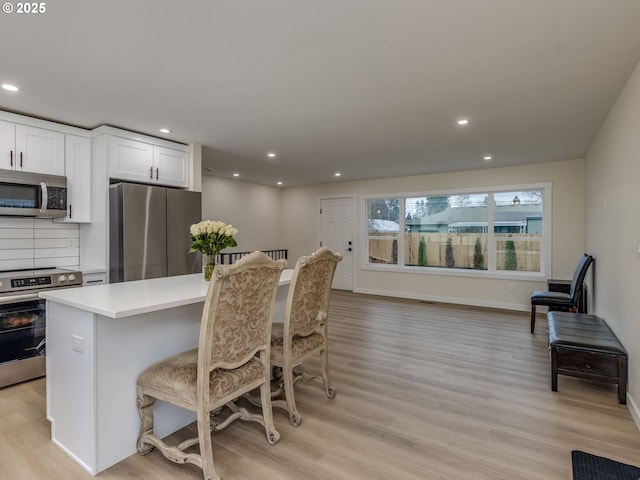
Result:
{"points": [[232, 359], [304, 331], [560, 300]]}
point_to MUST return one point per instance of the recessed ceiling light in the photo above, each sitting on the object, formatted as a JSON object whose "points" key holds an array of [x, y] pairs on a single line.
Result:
{"points": [[279, 183], [11, 88], [488, 157], [463, 121], [337, 174], [271, 155], [165, 130], [236, 174]]}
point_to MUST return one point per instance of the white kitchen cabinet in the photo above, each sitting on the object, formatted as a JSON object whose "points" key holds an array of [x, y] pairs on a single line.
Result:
{"points": [[130, 160], [78, 169], [7, 145], [146, 163], [39, 150], [95, 278], [172, 166], [31, 149]]}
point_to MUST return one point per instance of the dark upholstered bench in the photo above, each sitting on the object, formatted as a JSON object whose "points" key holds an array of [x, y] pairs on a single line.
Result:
{"points": [[584, 346]]}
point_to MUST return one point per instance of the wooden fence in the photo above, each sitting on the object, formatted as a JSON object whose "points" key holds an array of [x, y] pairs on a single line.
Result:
{"points": [[463, 249]]}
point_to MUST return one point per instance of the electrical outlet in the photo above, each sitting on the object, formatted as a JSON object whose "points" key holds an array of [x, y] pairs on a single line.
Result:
{"points": [[77, 343], [512, 288]]}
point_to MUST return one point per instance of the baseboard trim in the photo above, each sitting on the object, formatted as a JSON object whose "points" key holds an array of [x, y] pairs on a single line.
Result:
{"points": [[454, 300], [633, 409]]}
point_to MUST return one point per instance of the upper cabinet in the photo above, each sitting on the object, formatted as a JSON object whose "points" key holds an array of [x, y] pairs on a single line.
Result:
{"points": [[7, 145], [31, 149], [147, 163], [172, 166], [78, 169]]}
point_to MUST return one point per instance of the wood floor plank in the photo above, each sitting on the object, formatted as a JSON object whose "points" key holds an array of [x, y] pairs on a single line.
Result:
{"points": [[425, 391]]}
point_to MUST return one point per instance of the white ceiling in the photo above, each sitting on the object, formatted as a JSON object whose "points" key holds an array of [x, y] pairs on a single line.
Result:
{"points": [[370, 88]]}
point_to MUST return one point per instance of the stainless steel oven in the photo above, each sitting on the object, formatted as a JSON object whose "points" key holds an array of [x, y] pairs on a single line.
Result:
{"points": [[23, 320]]}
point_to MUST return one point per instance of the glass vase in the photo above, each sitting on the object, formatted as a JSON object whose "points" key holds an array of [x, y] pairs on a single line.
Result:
{"points": [[208, 265]]}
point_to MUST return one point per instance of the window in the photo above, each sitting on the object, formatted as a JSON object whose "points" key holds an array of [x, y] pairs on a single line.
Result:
{"points": [[517, 227], [442, 231], [497, 231], [383, 230]]}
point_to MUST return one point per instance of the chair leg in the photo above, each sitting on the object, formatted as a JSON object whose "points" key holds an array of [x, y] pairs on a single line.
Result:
{"points": [[273, 436], [331, 392], [206, 445], [145, 408], [622, 379], [554, 369], [533, 318], [294, 416]]}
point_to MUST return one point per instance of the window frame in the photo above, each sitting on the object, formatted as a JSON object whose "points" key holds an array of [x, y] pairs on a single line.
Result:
{"points": [[491, 271]]}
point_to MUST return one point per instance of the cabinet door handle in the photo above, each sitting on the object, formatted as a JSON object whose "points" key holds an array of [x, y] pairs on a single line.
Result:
{"points": [[150, 173], [157, 173], [20, 159], [70, 211], [11, 158]]}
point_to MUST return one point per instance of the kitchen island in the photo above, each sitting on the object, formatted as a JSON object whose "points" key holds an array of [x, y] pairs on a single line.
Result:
{"points": [[99, 339]]}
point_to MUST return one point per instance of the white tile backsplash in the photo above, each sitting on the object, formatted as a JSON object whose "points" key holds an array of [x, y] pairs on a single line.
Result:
{"points": [[37, 243]]}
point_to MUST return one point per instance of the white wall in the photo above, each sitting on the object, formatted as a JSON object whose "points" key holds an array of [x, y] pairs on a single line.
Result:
{"points": [[253, 209], [613, 225], [300, 210]]}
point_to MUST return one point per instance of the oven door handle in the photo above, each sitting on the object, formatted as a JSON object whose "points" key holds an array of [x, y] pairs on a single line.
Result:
{"points": [[25, 297]]}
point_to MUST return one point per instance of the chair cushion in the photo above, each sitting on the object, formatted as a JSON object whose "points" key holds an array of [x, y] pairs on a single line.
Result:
{"points": [[300, 346], [176, 377], [582, 331], [559, 299]]}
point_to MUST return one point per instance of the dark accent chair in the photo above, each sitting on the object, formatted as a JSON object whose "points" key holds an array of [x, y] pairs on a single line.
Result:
{"points": [[566, 302]]}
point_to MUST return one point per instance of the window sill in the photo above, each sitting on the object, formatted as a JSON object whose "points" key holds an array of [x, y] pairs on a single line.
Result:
{"points": [[453, 272]]}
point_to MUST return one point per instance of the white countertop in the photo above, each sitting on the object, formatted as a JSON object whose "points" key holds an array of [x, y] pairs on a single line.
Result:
{"points": [[118, 300]]}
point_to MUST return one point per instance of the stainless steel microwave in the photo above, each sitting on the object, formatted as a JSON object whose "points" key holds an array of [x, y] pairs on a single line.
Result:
{"points": [[28, 194]]}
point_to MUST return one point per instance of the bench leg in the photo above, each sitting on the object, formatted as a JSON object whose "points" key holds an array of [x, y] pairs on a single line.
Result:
{"points": [[533, 317], [554, 369], [622, 379]]}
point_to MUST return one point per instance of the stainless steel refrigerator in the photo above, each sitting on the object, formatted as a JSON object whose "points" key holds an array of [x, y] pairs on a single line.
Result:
{"points": [[149, 232]]}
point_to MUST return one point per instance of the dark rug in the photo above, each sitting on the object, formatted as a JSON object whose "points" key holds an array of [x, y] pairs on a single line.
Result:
{"points": [[592, 467]]}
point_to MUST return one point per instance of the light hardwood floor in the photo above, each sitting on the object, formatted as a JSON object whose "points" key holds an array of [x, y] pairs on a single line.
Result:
{"points": [[425, 391]]}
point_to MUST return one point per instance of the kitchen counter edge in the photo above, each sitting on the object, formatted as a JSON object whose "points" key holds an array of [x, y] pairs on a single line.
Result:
{"points": [[120, 300]]}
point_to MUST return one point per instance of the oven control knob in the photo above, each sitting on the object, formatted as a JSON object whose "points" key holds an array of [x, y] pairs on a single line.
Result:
{"points": [[0, 284], [62, 278], [72, 277]]}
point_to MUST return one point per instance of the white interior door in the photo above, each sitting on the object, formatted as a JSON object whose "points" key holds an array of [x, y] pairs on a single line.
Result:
{"points": [[336, 219]]}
